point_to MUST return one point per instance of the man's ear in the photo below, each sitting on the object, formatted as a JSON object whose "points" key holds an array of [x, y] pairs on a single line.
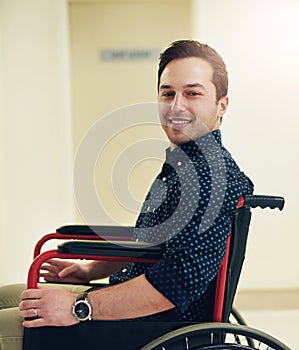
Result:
{"points": [[222, 106]]}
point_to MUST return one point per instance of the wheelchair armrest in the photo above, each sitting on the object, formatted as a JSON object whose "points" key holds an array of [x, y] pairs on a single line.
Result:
{"points": [[85, 232], [96, 230], [117, 248]]}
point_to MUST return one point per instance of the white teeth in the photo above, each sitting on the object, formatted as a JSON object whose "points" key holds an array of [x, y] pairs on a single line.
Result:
{"points": [[178, 122]]}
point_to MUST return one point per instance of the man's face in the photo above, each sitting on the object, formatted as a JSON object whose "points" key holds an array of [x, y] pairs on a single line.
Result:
{"points": [[187, 100]]}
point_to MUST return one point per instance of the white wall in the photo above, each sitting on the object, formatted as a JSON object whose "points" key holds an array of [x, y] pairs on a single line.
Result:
{"points": [[259, 41], [100, 88], [35, 145]]}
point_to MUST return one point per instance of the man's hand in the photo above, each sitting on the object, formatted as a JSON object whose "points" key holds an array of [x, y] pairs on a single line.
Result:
{"points": [[47, 307], [65, 272]]}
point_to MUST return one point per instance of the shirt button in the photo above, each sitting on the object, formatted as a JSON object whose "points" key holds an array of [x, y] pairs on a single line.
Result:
{"points": [[164, 178], [179, 163], [124, 270]]}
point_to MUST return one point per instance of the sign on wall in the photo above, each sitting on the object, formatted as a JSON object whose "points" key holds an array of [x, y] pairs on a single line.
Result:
{"points": [[129, 54]]}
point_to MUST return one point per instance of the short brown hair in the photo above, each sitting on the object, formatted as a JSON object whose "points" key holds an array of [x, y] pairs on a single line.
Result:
{"points": [[192, 48]]}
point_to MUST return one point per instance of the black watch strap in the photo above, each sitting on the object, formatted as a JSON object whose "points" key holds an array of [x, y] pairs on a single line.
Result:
{"points": [[82, 296]]}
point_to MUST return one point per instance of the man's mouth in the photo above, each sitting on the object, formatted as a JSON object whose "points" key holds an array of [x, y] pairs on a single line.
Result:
{"points": [[178, 123]]}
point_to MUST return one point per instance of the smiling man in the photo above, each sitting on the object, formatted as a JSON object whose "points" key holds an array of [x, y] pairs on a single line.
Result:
{"points": [[189, 207], [189, 107], [192, 84]]}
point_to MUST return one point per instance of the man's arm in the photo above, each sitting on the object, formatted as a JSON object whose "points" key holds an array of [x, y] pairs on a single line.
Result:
{"points": [[131, 299]]}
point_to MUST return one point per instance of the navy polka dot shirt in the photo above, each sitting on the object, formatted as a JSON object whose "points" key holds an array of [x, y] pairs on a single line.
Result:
{"points": [[189, 209]]}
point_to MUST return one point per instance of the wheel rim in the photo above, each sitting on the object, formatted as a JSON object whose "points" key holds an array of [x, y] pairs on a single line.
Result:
{"points": [[263, 341]]}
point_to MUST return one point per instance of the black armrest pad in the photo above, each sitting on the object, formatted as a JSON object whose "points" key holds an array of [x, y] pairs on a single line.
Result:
{"points": [[96, 230], [117, 248]]}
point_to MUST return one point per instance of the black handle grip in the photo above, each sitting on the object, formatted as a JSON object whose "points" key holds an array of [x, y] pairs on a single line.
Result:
{"points": [[272, 202]]}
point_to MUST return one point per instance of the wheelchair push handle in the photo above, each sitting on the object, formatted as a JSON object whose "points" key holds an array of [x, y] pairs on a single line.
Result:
{"points": [[272, 202]]}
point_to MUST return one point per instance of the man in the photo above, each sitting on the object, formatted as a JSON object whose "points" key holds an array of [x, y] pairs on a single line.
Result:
{"points": [[189, 207]]}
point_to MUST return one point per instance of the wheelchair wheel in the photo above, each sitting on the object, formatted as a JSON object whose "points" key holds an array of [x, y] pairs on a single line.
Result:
{"points": [[215, 336]]}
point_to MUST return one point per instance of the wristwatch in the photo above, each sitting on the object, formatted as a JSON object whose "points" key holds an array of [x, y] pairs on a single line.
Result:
{"points": [[82, 310]]}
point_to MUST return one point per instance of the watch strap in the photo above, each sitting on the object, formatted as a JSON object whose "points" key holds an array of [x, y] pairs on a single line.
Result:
{"points": [[82, 296]]}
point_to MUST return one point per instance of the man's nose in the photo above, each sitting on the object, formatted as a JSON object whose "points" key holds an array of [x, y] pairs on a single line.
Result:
{"points": [[178, 103]]}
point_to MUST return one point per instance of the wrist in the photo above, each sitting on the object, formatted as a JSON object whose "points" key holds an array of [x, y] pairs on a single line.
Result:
{"points": [[93, 270]]}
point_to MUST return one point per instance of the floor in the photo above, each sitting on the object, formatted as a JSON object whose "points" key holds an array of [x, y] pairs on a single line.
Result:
{"points": [[281, 324], [274, 312]]}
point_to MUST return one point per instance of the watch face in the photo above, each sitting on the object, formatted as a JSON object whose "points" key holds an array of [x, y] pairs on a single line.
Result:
{"points": [[82, 310]]}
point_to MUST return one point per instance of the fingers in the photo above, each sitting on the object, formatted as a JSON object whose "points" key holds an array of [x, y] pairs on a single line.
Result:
{"points": [[50, 277], [55, 265], [49, 268], [30, 314], [67, 271], [38, 322], [32, 317], [29, 306], [31, 294], [63, 272], [29, 301], [53, 270]]}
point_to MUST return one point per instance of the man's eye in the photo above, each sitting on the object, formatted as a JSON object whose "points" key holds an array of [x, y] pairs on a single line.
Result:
{"points": [[167, 94], [194, 93]]}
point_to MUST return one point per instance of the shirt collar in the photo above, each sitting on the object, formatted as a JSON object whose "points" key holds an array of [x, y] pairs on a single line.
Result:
{"points": [[201, 145]]}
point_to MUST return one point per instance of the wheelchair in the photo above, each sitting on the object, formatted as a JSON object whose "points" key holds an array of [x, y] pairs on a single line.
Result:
{"points": [[227, 329]]}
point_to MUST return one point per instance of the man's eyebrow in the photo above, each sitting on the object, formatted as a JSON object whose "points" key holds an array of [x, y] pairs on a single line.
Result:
{"points": [[191, 85], [164, 86], [195, 85]]}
